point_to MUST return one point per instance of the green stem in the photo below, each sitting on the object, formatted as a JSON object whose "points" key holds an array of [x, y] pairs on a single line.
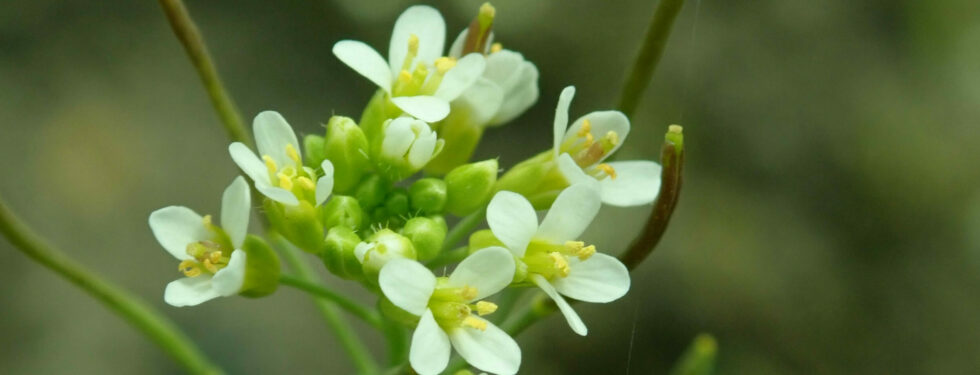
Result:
{"points": [[193, 43], [349, 339], [369, 316], [463, 229], [150, 322], [650, 53], [397, 339], [448, 257]]}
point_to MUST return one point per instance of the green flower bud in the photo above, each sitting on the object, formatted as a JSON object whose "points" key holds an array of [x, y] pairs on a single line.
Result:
{"points": [[338, 253], [342, 210], [378, 110], [372, 191], [300, 224], [427, 235], [261, 268], [313, 148], [381, 247], [397, 202], [428, 195], [538, 179], [346, 146], [470, 186], [482, 239]]}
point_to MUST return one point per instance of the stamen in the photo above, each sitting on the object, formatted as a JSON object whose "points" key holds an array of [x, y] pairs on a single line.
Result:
{"points": [[189, 268], [413, 51], [270, 165], [292, 153], [306, 183], [609, 141], [496, 47], [215, 257], [405, 77], [485, 308], [586, 252], [210, 266], [560, 263], [443, 64], [285, 182], [585, 129], [608, 169], [474, 322], [468, 292], [207, 220]]}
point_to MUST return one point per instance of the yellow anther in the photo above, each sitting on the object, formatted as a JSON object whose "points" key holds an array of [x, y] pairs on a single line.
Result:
{"points": [[586, 252], [189, 268], [496, 47], [589, 140], [210, 266], [610, 139], [215, 257], [585, 129], [560, 263], [467, 292], [485, 308], [305, 183], [574, 246], [206, 220], [474, 322], [487, 12], [292, 153], [285, 182], [443, 64], [270, 165], [608, 169], [405, 76], [413, 44]]}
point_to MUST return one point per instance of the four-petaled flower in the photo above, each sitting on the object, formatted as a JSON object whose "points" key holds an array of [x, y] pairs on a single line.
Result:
{"points": [[581, 149], [416, 77], [446, 306], [555, 260], [210, 256], [278, 170]]}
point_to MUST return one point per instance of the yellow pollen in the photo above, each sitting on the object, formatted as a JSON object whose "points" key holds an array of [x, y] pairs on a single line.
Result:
{"points": [[206, 220], [468, 292], [586, 252], [292, 153], [443, 64], [285, 182], [608, 169], [485, 308], [496, 47], [474, 322], [611, 138], [560, 262], [210, 266], [405, 76], [305, 183], [413, 44], [585, 129], [215, 257], [574, 246], [589, 140], [270, 164], [189, 268]]}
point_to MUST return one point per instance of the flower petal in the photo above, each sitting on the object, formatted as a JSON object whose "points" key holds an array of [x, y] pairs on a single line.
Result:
{"points": [[189, 291], [407, 284], [570, 315], [461, 76], [561, 117], [482, 101], [512, 220], [572, 172], [456, 49], [249, 163], [277, 194], [503, 68], [361, 250], [229, 280], [236, 205], [427, 24], [603, 122], [637, 183], [599, 279], [272, 135], [422, 107], [398, 137], [488, 270], [492, 350], [520, 97], [571, 213], [324, 184], [430, 346], [175, 227], [423, 148], [365, 61]]}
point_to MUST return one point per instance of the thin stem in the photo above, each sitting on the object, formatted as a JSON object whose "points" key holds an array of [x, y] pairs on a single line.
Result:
{"points": [[448, 257], [650, 53], [463, 229], [193, 43], [349, 339], [369, 316], [397, 339], [145, 318]]}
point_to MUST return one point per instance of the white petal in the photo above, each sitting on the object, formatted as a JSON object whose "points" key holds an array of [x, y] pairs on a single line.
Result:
{"points": [[512, 220], [521, 97], [503, 68], [365, 61], [229, 280], [599, 279], [236, 205], [637, 183], [571, 213], [572, 172], [189, 291], [482, 101], [422, 107], [461, 76], [324, 185], [175, 227], [603, 122], [398, 137], [570, 315], [488, 270], [407, 284], [561, 116], [456, 50], [429, 353], [277, 194], [492, 350], [272, 134], [422, 149], [427, 24], [249, 163], [361, 250]]}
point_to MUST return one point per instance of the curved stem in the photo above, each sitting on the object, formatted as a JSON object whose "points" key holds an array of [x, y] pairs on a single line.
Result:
{"points": [[193, 43], [345, 333], [369, 316], [650, 53], [150, 322]]}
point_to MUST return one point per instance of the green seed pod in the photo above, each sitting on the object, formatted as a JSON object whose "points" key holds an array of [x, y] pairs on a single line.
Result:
{"points": [[343, 210], [427, 236], [470, 186], [261, 268], [346, 147], [338, 253], [428, 195]]}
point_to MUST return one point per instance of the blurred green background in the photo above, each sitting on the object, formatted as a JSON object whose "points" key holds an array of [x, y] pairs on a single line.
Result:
{"points": [[830, 220]]}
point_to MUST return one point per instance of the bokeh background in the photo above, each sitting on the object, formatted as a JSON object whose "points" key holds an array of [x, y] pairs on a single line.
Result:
{"points": [[829, 223]]}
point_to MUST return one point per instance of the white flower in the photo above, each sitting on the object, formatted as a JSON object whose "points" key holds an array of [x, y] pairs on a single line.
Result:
{"points": [[556, 262], [507, 88], [380, 248], [581, 148], [446, 306], [410, 143], [211, 257], [416, 77], [279, 172]]}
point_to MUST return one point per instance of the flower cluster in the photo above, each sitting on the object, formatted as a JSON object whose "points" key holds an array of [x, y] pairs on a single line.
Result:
{"points": [[354, 198]]}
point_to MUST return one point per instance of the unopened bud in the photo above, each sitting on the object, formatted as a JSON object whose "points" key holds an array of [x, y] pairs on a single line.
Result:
{"points": [[408, 145], [346, 147], [470, 186], [338, 253], [379, 248], [261, 268], [300, 224], [427, 235], [428, 195], [344, 211], [397, 202], [371, 192], [314, 151]]}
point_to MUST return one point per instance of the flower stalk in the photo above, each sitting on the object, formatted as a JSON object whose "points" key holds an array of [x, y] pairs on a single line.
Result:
{"points": [[649, 56]]}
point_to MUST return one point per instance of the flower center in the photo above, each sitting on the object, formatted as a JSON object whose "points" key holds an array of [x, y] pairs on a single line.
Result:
{"points": [[451, 309], [291, 177], [418, 81], [552, 260], [208, 256], [586, 150]]}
